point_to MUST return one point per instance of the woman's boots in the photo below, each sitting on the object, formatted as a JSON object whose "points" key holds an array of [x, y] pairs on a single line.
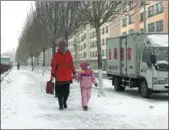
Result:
{"points": [[62, 102]]}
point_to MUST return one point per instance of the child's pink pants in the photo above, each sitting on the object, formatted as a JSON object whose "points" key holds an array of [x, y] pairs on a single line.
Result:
{"points": [[86, 94]]}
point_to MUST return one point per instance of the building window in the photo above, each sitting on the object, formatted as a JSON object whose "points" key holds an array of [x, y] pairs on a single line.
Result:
{"points": [[159, 7], [151, 11], [85, 36], [151, 27], [84, 54], [84, 45], [124, 21], [124, 33], [107, 29], [102, 41], [131, 31], [141, 30], [141, 17], [106, 40], [102, 52], [79, 56], [159, 26], [95, 43], [103, 30], [131, 19]]}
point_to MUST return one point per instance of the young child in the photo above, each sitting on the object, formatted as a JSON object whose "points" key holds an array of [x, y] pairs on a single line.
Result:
{"points": [[86, 78]]}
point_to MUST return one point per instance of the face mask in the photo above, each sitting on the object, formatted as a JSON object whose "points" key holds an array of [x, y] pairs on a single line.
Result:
{"points": [[88, 67], [65, 48]]}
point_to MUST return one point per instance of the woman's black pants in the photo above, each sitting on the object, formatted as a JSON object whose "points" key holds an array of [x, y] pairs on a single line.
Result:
{"points": [[62, 91]]}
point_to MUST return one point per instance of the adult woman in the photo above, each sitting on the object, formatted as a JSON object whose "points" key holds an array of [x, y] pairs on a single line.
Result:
{"points": [[62, 70]]}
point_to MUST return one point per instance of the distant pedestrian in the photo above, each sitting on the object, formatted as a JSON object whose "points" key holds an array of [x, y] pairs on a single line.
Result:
{"points": [[86, 78], [18, 65], [62, 70]]}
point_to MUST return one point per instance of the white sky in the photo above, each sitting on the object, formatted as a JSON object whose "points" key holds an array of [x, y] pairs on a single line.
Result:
{"points": [[13, 16]]}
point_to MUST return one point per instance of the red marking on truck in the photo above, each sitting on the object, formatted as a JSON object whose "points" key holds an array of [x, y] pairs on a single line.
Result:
{"points": [[115, 53], [129, 53], [122, 53], [110, 54]]}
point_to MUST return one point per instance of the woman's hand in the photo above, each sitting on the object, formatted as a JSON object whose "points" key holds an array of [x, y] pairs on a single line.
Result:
{"points": [[52, 78]]}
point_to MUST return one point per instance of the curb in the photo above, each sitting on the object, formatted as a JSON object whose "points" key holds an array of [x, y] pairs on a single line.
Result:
{"points": [[5, 75]]}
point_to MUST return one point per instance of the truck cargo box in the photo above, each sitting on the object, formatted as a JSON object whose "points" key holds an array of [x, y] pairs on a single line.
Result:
{"points": [[124, 54]]}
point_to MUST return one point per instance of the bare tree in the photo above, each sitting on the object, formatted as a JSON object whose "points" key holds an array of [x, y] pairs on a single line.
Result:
{"points": [[96, 13], [50, 21], [69, 21]]}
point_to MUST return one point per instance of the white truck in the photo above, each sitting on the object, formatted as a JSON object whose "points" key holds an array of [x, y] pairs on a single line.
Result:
{"points": [[139, 60]]}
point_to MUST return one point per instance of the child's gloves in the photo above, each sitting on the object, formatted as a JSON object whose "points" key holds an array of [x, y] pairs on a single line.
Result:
{"points": [[96, 85]]}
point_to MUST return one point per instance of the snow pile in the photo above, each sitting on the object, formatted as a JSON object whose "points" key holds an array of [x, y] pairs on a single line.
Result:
{"points": [[159, 40]]}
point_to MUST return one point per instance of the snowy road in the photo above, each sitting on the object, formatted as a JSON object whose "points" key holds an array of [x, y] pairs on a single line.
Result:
{"points": [[25, 105]]}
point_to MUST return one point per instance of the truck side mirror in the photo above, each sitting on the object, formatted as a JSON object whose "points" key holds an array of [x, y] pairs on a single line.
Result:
{"points": [[153, 59]]}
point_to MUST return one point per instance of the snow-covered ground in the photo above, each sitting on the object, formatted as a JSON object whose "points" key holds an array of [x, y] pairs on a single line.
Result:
{"points": [[25, 105]]}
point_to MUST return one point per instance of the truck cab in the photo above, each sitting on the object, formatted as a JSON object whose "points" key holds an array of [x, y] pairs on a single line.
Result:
{"points": [[154, 63]]}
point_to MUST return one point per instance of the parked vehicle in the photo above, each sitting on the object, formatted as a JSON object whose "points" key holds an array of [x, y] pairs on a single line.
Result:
{"points": [[6, 64], [139, 60]]}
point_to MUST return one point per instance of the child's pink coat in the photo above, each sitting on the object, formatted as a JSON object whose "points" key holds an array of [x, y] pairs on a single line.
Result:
{"points": [[86, 78]]}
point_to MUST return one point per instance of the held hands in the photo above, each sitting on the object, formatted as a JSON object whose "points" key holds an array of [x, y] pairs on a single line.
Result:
{"points": [[74, 75]]}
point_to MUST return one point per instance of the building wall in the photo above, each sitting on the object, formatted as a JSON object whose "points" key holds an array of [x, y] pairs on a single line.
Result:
{"points": [[166, 16], [137, 25]]}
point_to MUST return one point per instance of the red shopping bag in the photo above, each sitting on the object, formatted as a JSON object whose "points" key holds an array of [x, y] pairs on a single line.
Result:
{"points": [[50, 87]]}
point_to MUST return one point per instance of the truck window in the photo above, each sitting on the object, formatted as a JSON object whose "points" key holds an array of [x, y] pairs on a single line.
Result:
{"points": [[147, 56]]}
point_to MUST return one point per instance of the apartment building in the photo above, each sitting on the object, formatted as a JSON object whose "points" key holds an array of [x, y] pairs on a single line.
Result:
{"points": [[156, 18], [86, 42]]}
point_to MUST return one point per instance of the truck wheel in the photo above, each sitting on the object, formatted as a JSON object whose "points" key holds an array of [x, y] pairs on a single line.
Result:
{"points": [[117, 85], [144, 91]]}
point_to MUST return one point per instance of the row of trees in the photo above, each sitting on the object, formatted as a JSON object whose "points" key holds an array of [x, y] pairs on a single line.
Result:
{"points": [[54, 20]]}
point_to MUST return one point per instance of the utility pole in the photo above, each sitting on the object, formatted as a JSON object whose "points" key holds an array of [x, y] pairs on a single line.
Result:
{"points": [[145, 16]]}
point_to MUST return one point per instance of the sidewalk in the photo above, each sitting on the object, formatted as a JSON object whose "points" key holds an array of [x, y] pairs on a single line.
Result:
{"points": [[25, 105]]}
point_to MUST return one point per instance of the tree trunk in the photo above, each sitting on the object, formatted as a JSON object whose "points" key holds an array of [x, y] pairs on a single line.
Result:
{"points": [[37, 63], [32, 63], [43, 68], [66, 36], [44, 58], [53, 51], [99, 59]]}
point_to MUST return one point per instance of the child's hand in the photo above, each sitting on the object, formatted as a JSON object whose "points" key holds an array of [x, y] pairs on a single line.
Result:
{"points": [[96, 85]]}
